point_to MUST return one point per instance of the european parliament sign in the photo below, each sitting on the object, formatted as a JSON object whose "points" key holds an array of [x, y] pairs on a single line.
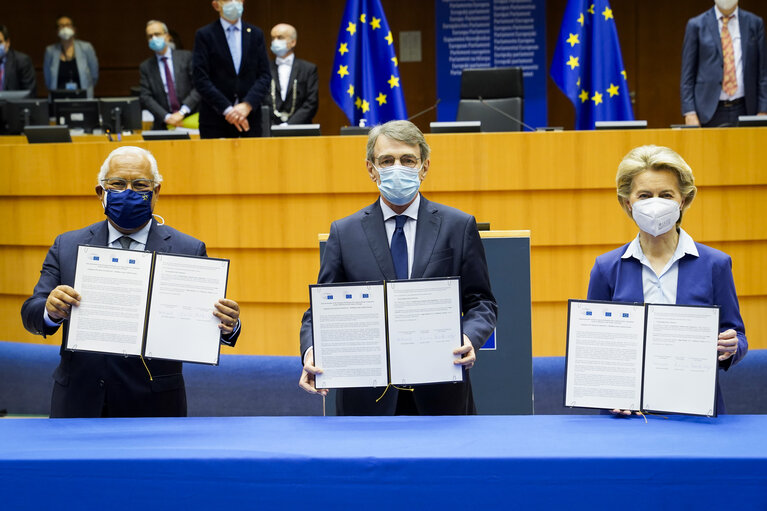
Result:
{"points": [[491, 33]]}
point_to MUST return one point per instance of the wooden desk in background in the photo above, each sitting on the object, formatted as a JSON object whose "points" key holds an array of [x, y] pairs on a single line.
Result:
{"points": [[262, 202]]}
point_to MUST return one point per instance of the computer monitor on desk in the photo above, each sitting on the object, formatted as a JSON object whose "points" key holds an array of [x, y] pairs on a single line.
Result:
{"points": [[296, 130], [25, 112], [120, 114], [6, 95], [77, 113], [68, 94]]}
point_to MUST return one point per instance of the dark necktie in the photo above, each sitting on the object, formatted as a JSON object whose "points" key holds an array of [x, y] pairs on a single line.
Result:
{"points": [[399, 248], [172, 98], [125, 241]]}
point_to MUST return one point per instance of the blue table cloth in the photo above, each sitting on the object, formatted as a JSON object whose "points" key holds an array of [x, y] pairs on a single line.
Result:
{"points": [[532, 462]]}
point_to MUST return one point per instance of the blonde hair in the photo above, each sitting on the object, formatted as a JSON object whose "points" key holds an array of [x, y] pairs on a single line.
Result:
{"points": [[653, 157]]}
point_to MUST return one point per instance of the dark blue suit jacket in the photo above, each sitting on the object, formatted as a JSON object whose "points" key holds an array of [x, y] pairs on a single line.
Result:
{"points": [[703, 68], [703, 280], [220, 86], [446, 244], [86, 383]]}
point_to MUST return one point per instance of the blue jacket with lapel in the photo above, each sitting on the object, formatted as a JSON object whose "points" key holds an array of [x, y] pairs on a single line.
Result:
{"points": [[703, 280]]}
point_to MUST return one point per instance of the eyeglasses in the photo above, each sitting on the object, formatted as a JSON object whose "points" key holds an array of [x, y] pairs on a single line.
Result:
{"points": [[137, 185], [406, 160]]}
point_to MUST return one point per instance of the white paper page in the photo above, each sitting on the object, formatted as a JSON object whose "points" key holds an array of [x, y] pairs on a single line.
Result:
{"points": [[681, 359], [424, 329], [349, 328], [604, 355], [181, 321], [113, 285]]}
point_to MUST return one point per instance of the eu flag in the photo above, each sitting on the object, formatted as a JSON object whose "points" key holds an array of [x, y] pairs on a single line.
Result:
{"points": [[365, 82], [588, 66]]}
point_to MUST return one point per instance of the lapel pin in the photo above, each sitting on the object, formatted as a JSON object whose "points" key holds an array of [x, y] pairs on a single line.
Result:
{"points": [[248, 30]]}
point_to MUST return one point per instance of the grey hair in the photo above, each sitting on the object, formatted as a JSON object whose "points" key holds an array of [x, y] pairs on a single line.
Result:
{"points": [[133, 150], [164, 26], [402, 131]]}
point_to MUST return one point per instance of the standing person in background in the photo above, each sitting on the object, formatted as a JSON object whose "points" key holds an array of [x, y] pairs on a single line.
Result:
{"points": [[724, 66], [294, 93], [70, 64], [16, 69], [231, 73], [167, 88]]}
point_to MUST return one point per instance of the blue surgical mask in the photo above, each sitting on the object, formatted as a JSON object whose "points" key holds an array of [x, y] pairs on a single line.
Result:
{"points": [[232, 10], [157, 43], [128, 209], [279, 47], [399, 184]]}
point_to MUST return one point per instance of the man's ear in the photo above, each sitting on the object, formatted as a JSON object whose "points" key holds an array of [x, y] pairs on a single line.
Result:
{"points": [[99, 191], [372, 172]]}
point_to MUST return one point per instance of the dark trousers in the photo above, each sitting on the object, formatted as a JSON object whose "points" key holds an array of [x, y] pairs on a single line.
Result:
{"points": [[727, 113]]}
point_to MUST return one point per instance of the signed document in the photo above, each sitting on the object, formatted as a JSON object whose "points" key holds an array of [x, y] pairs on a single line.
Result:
{"points": [[147, 304], [370, 334], [653, 357]]}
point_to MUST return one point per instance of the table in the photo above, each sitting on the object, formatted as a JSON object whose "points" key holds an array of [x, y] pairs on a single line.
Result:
{"points": [[532, 462]]}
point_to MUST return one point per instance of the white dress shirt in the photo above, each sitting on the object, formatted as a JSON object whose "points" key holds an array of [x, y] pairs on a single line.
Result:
{"points": [[284, 66], [737, 51], [390, 223], [661, 288]]}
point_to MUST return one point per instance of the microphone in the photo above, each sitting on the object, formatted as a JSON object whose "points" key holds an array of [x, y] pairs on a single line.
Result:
{"points": [[432, 107], [505, 114]]}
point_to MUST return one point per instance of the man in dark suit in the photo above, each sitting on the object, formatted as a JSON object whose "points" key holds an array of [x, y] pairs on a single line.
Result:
{"points": [[167, 88], [294, 93], [435, 240], [100, 385], [231, 73], [724, 66], [16, 69]]}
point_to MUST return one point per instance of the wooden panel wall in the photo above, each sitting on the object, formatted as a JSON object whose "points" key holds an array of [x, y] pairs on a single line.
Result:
{"points": [[261, 203], [651, 33]]}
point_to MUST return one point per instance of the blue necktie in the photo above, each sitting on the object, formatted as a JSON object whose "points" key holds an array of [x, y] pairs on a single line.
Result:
{"points": [[399, 248], [234, 48]]}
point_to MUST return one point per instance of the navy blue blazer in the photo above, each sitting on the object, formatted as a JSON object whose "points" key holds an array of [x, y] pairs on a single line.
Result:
{"points": [[220, 86], [87, 384], [446, 244], [703, 280], [703, 65]]}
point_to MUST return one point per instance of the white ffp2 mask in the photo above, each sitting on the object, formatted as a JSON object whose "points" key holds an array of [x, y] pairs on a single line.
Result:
{"points": [[655, 216]]}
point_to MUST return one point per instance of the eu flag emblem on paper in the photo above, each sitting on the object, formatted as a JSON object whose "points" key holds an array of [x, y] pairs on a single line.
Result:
{"points": [[366, 81], [588, 66]]}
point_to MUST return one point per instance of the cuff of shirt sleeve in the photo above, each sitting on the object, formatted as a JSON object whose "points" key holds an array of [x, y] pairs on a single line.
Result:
{"points": [[167, 116], [49, 322], [228, 109], [225, 337], [185, 110]]}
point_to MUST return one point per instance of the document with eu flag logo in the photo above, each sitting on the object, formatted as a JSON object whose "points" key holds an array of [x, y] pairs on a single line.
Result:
{"points": [[642, 357], [372, 334], [155, 305]]}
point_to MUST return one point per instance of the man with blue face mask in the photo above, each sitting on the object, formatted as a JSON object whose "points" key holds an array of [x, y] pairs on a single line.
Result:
{"points": [[294, 92], [231, 73], [167, 84], [100, 385], [401, 236]]}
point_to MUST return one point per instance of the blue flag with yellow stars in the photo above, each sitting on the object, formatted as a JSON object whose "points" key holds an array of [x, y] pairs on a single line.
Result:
{"points": [[365, 81], [588, 66]]}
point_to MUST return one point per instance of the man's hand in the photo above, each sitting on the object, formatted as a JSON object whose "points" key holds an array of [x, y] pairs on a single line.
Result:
{"points": [[238, 116], [691, 119], [626, 413], [175, 119], [228, 312], [307, 375], [727, 345], [60, 302], [467, 350]]}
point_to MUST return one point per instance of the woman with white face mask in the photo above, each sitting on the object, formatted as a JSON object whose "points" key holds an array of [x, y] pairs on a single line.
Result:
{"points": [[70, 64], [663, 264]]}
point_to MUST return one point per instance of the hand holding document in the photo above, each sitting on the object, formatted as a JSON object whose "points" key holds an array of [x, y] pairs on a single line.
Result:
{"points": [[642, 357], [142, 303], [372, 334]]}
